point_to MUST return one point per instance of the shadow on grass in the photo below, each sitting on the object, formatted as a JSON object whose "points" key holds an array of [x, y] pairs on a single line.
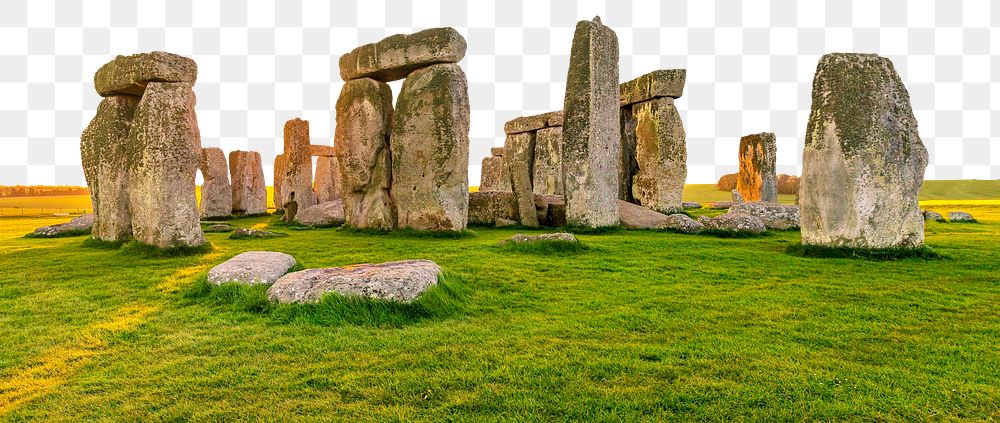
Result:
{"points": [[446, 299], [145, 250], [102, 245], [257, 235], [814, 251], [545, 247], [66, 234], [732, 234]]}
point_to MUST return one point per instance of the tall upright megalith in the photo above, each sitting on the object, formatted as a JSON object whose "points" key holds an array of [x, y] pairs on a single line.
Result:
{"points": [[364, 122], [591, 127], [216, 193], [164, 146], [327, 184], [298, 164], [105, 165], [757, 180], [518, 158], [247, 173], [863, 162], [430, 149], [279, 178]]}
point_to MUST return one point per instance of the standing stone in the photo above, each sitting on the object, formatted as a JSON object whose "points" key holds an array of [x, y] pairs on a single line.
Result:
{"points": [[430, 149], [327, 179], [864, 162], [494, 175], [591, 133], [364, 118], [298, 164], [279, 178], [216, 193], [547, 166], [519, 152], [249, 191], [165, 150], [757, 180], [661, 155], [104, 154], [396, 56]]}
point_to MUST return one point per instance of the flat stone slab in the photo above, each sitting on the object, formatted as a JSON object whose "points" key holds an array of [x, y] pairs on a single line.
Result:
{"points": [[960, 216], [691, 205], [736, 222], [251, 268], [774, 216], [83, 222], [534, 122], [527, 239], [658, 83], [395, 57], [933, 215], [399, 281], [254, 233], [328, 213], [130, 74], [322, 150], [219, 227], [720, 205], [634, 216]]}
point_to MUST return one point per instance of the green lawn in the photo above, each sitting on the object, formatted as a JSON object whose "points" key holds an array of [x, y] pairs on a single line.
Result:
{"points": [[639, 326]]}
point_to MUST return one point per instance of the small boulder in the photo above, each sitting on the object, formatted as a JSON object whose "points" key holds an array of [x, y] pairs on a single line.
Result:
{"points": [[774, 216], [933, 215], [323, 214], [682, 223], [219, 227], [960, 216], [736, 222], [252, 267], [634, 216], [720, 205], [399, 281], [691, 205], [253, 233], [501, 222], [522, 239], [78, 225]]}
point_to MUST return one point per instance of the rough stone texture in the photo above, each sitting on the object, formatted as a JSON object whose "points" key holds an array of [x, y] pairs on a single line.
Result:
{"points": [[322, 150], [727, 182], [519, 152], [661, 155], [656, 84], [130, 75], [863, 163], [634, 216], [399, 281], [216, 193], [551, 210], [83, 222], [105, 158], [496, 151], [628, 166], [736, 222], [534, 122], [737, 197], [591, 132], [164, 147], [501, 222], [960, 216], [430, 149], [682, 223], [756, 180], [364, 119], [527, 239], [322, 214], [691, 205], [494, 175], [327, 183], [488, 207], [547, 164], [397, 56], [774, 216], [249, 192], [788, 184], [253, 233], [720, 205], [298, 164], [933, 215], [251, 268], [279, 177], [219, 227]]}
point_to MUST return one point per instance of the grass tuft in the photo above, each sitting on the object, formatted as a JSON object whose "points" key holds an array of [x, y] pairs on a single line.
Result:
{"points": [[586, 230], [152, 251], [545, 247], [718, 233], [66, 234], [815, 251], [410, 233], [102, 245], [273, 235]]}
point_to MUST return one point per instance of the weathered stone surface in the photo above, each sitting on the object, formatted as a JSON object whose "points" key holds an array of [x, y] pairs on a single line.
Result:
{"points": [[627, 166], [327, 184], [788, 184], [249, 192], [533, 122], [634, 216], [682, 223], [430, 149], [774, 216], [863, 163], [322, 150], [81, 223], [501, 222], [130, 75], [251, 268], [487, 207], [219, 227], [279, 177], [364, 122], [656, 84], [298, 164], [551, 210], [528, 239], [164, 147], [547, 164], [691, 205], [494, 175], [399, 281], [242, 233], [397, 56], [105, 158], [519, 154], [591, 132], [216, 193], [323, 214], [496, 151], [720, 205], [756, 180], [661, 155], [736, 222], [933, 215], [727, 182], [960, 216], [737, 197]]}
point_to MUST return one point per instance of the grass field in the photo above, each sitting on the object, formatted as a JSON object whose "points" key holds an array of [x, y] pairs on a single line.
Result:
{"points": [[638, 326]]}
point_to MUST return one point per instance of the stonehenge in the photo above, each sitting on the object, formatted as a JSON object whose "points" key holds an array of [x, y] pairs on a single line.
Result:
{"points": [[298, 167], [249, 191], [105, 166], [756, 180], [494, 173], [216, 192]]}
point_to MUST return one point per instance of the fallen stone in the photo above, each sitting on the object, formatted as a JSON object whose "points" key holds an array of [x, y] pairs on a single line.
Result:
{"points": [[528, 239], [329, 213], [130, 75], [634, 216], [105, 156], [960, 216], [863, 162], [501, 222], [298, 165], [430, 149], [691, 205], [78, 225], [788, 184], [519, 160], [727, 182], [933, 215], [534, 122], [735, 222], [252, 268], [660, 155], [547, 164], [397, 56], [216, 192], [249, 192], [494, 175], [327, 184], [774, 216], [703, 219], [488, 207], [398, 281], [219, 227], [656, 84], [253, 233], [720, 205], [682, 223], [756, 180]]}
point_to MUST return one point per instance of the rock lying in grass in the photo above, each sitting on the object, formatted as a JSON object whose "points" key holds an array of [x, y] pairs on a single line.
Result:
{"points": [[523, 239], [634, 216], [219, 227], [736, 223], [399, 281], [324, 214], [960, 216], [703, 219], [774, 216], [682, 223], [501, 222], [243, 233], [252, 267], [933, 215], [80, 224], [720, 205], [691, 205]]}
